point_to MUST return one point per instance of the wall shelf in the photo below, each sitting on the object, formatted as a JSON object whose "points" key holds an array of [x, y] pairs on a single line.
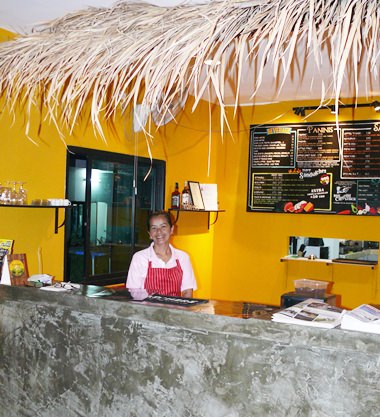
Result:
{"points": [[198, 211], [328, 262], [56, 208], [332, 263]]}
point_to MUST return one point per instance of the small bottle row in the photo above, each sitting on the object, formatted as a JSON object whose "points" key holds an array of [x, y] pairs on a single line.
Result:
{"points": [[181, 200], [13, 193]]}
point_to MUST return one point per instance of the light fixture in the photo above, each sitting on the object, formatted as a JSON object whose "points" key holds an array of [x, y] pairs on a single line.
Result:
{"points": [[301, 111], [376, 106]]}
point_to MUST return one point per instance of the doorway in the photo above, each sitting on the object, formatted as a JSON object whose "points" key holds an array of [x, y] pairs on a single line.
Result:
{"points": [[112, 195]]}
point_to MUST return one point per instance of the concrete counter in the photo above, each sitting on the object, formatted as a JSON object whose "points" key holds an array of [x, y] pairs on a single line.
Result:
{"points": [[64, 354]]}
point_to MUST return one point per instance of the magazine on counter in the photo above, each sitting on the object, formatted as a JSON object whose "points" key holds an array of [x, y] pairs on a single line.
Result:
{"points": [[5, 249], [364, 318], [311, 312]]}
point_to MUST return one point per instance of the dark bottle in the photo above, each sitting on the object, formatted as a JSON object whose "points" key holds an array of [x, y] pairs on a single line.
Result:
{"points": [[186, 197], [176, 195]]}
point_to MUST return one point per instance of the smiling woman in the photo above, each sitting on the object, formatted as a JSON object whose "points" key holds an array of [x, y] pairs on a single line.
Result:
{"points": [[161, 268]]}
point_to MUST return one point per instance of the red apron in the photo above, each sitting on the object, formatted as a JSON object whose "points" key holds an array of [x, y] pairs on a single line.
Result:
{"points": [[164, 281]]}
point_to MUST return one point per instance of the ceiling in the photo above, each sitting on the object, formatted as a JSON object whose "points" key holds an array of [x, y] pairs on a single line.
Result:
{"points": [[21, 15], [305, 81]]}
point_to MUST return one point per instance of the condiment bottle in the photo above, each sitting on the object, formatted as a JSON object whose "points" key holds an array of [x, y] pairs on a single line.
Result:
{"points": [[176, 195], [186, 197]]}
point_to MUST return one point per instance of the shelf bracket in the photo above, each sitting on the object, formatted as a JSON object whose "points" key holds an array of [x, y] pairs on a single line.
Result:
{"points": [[56, 227], [215, 220], [176, 219]]}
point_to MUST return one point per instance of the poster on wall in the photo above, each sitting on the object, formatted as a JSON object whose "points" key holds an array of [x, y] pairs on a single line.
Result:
{"points": [[315, 168]]}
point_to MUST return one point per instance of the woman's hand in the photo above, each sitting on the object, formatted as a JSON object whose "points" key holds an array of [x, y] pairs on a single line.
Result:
{"points": [[187, 293]]}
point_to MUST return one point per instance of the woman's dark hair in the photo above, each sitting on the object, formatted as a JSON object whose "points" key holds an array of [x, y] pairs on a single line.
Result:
{"points": [[160, 213]]}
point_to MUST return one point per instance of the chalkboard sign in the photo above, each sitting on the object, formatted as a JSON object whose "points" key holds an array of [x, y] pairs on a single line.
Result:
{"points": [[315, 168]]}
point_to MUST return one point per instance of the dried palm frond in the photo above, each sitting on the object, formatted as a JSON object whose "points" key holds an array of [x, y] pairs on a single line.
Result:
{"points": [[135, 53]]}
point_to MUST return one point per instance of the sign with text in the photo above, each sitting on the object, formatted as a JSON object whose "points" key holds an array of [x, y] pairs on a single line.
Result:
{"points": [[315, 168]]}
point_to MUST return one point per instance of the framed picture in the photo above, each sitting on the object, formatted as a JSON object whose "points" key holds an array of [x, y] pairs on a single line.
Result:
{"points": [[196, 195]]}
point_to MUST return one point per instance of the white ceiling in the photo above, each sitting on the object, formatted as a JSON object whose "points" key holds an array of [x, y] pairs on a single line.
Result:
{"points": [[21, 15]]}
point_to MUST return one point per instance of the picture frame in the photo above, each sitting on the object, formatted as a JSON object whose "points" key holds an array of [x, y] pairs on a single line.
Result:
{"points": [[196, 195]]}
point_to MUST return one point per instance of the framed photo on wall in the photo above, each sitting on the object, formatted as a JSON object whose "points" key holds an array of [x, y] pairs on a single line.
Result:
{"points": [[196, 195]]}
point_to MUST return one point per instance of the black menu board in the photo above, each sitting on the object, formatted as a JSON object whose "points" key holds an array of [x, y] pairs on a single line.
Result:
{"points": [[315, 168]]}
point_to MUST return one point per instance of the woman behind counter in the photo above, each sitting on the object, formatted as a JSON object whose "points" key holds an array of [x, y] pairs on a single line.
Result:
{"points": [[161, 268]]}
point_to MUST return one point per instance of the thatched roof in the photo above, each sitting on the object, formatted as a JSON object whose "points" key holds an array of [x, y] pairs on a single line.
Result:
{"points": [[140, 53]]}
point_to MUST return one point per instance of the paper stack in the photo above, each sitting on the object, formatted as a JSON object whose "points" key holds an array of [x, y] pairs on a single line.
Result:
{"points": [[311, 312], [210, 196], [364, 318]]}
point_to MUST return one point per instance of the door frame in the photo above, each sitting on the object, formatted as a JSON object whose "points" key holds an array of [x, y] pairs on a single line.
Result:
{"points": [[89, 155]]}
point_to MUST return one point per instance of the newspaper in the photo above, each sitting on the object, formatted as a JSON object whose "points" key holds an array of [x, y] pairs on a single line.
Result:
{"points": [[311, 312], [364, 318]]}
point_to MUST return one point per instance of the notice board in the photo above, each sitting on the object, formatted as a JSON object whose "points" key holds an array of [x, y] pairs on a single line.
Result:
{"points": [[315, 168]]}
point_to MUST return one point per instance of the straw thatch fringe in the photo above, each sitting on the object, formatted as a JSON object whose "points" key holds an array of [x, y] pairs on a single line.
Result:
{"points": [[140, 53]]}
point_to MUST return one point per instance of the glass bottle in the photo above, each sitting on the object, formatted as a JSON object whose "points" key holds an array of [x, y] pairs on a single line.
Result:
{"points": [[186, 197], [176, 195], [6, 194], [22, 194], [14, 194]]}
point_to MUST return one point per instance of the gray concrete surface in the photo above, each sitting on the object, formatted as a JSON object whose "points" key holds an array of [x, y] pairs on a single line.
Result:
{"points": [[69, 355]]}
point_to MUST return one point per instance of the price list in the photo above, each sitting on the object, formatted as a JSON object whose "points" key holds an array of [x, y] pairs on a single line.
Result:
{"points": [[317, 146], [270, 189], [273, 148], [315, 168], [361, 153], [369, 193]]}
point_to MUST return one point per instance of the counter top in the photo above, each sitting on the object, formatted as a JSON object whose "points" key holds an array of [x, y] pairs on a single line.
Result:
{"points": [[215, 315], [238, 309], [69, 354]]}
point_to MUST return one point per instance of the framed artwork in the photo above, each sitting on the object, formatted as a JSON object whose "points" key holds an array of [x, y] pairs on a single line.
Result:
{"points": [[196, 195]]}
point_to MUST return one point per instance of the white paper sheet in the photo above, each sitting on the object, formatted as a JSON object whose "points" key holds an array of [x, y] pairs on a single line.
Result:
{"points": [[5, 275], [210, 196]]}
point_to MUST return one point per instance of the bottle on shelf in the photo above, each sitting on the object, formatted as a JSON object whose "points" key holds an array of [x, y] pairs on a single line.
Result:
{"points": [[186, 197], [176, 196]]}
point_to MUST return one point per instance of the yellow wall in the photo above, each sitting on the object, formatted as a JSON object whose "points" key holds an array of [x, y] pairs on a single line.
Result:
{"points": [[5, 35], [40, 160], [238, 258], [187, 145], [248, 246]]}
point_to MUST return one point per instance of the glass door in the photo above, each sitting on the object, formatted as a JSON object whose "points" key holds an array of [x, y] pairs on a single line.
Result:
{"points": [[112, 196], [76, 220], [150, 182], [111, 217]]}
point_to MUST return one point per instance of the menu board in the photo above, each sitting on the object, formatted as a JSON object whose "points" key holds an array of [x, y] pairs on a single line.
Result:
{"points": [[314, 168]]}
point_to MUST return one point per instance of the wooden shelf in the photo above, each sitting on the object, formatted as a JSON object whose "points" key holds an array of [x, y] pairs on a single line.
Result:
{"points": [[198, 211], [29, 206]]}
